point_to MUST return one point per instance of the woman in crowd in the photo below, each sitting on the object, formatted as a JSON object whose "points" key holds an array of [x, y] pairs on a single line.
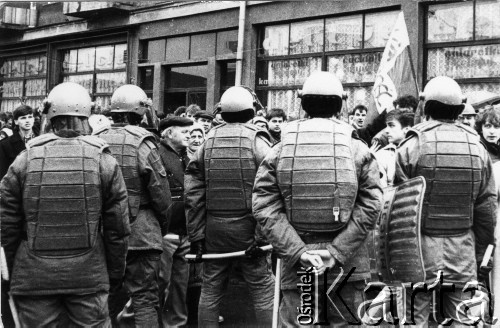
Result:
{"points": [[197, 138], [488, 127]]}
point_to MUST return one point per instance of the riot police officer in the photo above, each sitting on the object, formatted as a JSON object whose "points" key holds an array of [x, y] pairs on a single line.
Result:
{"points": [[218, 202], [458, 214], [319, 189], [148, 200], [64, 219]]}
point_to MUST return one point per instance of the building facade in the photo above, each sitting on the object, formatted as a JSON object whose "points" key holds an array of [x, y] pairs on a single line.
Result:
{"points": [[190, 52]]}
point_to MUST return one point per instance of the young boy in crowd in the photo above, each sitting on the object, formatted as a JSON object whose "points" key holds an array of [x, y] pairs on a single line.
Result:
{"points": [[22, 133], [398, 123], [205, 119], [275, 118], [406, 103], [358, 116], [191, 110]]}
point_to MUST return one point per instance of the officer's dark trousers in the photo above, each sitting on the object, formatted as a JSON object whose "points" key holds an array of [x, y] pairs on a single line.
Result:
{"points": [[141, 284], [260, 282], [89, 310]]}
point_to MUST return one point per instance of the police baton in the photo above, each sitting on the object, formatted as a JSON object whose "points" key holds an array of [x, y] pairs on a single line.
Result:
{"points": [[277, 290], [205, 257], [6, 277], [486, 259]]}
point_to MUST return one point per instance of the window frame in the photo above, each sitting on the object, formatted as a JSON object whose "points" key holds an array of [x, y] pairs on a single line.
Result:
{"points": [[25, 99], [451, 44], [95, 72], [262, 90]]}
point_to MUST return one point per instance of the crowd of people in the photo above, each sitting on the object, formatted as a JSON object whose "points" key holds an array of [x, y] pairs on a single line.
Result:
{"points": [[96, 205]]}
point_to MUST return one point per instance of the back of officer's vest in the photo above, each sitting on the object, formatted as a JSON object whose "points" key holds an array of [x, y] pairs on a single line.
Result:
{"points": [[62, 196], [317, 175], [451, 164], [230, 168]]}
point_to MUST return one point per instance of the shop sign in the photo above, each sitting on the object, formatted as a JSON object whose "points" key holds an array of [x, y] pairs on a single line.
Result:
{"points": [[355, 68], [481, 61], [289, 72]]}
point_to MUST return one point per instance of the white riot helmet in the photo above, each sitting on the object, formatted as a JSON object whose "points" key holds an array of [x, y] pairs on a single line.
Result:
{"points": [[445, 90], [322, 94], [68, 99], [129, 99], [67, 106], [237, 99], [442, 98], [322, 84]]}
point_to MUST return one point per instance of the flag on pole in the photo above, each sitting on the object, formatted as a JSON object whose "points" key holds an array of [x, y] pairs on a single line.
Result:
{"points": [[396, 75]]}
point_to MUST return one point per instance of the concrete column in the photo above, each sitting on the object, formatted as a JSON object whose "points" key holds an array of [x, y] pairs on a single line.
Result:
{"points": [[414, 13], [158, 88], [213, 83]]}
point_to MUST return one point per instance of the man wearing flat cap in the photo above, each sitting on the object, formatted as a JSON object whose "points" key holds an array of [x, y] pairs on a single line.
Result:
{"points": [[175, 270], [468, 116], [205, 119]]}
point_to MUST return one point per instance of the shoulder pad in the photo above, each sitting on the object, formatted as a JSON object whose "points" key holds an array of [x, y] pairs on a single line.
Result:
{"points": [[258, 131], [218, 126], [138, 131], [95, 141], [212, 130], [250, 126], [101, 130], [41, 140], [468, 129], [336, 120], [346, 128], [291, 126], [425, 126], [150, 143]]}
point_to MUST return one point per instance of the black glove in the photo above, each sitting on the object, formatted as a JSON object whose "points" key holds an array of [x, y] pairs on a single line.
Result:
{"points": [[254, 251], [198, 248], [115, 285], [483, 273]]}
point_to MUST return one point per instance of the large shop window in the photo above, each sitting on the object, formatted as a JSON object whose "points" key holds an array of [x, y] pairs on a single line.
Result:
{"points": [[23, 79], [101, 70], [185, 85], [184, 61], [463, 42], [349, 46], [196, 46]]}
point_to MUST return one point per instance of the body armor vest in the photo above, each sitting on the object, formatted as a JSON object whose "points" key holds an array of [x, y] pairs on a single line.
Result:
{"points": [[451, 164], [124, 144], [317, 174], [230, 168], [62, 195]]}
